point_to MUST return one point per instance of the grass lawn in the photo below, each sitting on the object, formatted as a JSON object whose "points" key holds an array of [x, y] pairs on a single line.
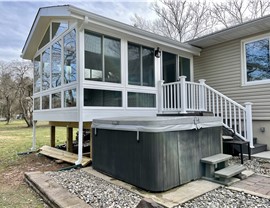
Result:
{"points": [[14, 138]]}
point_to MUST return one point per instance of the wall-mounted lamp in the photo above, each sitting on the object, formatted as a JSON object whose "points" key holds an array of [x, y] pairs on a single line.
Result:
{"points": [[157, 53]]}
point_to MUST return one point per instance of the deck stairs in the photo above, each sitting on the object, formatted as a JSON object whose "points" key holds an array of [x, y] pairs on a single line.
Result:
{"points": [[216, 169]]}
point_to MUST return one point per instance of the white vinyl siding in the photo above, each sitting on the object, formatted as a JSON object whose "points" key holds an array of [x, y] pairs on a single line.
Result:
{"points": [[220, 66]]}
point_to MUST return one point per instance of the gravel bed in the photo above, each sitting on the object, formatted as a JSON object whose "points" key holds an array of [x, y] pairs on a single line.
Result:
{"points": [[101, 194], [95, 191]]}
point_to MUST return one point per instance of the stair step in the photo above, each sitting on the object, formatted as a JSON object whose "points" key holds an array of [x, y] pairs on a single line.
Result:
{"points": [[225, 137], [230, 171], [214, 159]]}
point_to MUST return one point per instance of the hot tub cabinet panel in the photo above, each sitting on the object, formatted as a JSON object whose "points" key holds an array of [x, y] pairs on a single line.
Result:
{"points": [[154, 161]]}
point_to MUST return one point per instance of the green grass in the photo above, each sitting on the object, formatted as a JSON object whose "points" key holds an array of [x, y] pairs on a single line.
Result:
{"points": [[14, 138]]}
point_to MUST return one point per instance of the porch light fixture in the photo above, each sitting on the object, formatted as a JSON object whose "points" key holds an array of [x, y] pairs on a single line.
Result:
{"points": [[157, 53]]}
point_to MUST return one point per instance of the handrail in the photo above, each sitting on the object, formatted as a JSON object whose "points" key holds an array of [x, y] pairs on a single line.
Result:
{"points": [[184, 96]]}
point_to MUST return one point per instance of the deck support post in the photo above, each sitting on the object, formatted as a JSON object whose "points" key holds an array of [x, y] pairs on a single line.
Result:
{"points": [[52, 136], [183, 94], [202, 95], [33, 148], [160, 96], [80, 144], [69, 139], [249, 127]]}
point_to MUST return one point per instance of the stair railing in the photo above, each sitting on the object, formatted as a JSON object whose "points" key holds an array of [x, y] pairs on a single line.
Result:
{"points": [[182, 97]]}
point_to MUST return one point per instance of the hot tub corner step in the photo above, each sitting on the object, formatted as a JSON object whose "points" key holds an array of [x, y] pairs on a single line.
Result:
{"points": [[214, 159], [230, 171]]}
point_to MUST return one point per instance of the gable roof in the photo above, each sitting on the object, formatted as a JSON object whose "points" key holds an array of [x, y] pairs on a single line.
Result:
{"points": [[45, 15], [238, 31]]}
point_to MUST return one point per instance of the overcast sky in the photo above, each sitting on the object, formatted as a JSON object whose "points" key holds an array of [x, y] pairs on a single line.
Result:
{"points": [[16, 18]]}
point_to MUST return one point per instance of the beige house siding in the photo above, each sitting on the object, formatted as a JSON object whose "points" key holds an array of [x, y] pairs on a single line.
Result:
{"points": [[220, 66]]}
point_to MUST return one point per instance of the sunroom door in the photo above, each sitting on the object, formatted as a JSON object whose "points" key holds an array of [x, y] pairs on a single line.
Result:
{"points": [[175, 66]]}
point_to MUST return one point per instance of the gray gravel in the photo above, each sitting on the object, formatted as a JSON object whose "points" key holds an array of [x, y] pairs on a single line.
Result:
{"points": [[95, 191], [99, 193]]}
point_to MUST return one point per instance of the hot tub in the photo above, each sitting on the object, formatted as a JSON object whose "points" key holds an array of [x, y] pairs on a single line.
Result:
{"points": [[154, 153]]}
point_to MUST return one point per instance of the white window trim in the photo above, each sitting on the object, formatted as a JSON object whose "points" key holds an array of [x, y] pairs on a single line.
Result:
{"points": [[243, 60]]}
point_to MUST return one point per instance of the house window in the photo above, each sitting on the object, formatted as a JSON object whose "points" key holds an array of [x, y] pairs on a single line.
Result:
{"points": [[141, 65], [56, 64], [144, 100], [58, 28], [46, 69], [108, 98], [70, 98], [257, 62], [45, 102], [70, 73], [102, 58], [37, 103], [56, 100], [37, 77]]}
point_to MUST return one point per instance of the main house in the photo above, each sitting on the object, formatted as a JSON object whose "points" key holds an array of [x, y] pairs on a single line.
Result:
{"points": [[88, 67]]}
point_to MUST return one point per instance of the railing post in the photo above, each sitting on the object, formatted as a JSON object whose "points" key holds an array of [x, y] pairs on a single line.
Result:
{"points": [[183, 94], [202, 95], [249, 127], [160, 96]]}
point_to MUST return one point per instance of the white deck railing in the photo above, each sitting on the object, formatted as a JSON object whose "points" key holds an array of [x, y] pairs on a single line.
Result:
{"points": [[182, 97]]}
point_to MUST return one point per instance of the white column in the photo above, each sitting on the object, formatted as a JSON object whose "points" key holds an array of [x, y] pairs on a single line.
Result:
{"points": [[33, 148], [202, 95], [80, 144], [183, 94], [160, 96], [249, 126]]}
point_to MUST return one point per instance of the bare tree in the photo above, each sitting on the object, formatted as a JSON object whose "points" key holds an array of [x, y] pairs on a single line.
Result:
{"points": [[178, 19], [234, 12]]}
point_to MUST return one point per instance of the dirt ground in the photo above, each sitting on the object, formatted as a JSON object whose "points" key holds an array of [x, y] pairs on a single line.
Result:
{"points": [[14, 192]]}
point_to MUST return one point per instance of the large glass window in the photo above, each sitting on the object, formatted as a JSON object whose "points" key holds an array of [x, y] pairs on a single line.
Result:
{"points": [[37, 77], [141, 65], [46, 69], [184, 67], [46, 38], [70, 98], [144, 100], [169, 67], [37, 103], [58, 28], [102, 58], [46, 102], [109, 98], [257, 60], [70, 73], [56, 100], [56, 64]]}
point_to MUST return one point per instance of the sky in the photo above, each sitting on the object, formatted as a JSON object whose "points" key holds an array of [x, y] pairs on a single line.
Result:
{"points": [[16, 18]]}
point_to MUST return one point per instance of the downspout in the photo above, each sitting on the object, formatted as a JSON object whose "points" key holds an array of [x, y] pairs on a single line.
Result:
{"points": [[80, 42]]}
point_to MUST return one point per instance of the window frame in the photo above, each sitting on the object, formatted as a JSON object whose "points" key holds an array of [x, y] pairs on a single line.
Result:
{"points": [[244, 61]]}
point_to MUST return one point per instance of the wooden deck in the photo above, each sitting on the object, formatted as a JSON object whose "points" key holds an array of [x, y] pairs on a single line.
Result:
{"points": [[63, 155]]}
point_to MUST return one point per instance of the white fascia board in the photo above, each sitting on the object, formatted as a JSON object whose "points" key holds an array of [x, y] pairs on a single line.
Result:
{"points": [[132, 31]]}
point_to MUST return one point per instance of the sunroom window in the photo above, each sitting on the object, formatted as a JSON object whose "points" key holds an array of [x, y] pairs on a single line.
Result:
{"points": [[102, 58], [70, 73], [70, 98], [257, 62], [56, 64], [58, 28], [37, 77], [141, 65], [46, 69]]}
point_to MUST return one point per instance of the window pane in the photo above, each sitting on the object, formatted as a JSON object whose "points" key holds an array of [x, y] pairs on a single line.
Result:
{"points": [[169, 67], [70, 73], [56, 64], [145, 100], [148, 67], [46, 39], [110, 98], [134, 65], [46, 69], [112, 60], [184, 67], [58, 28], [36, 103], [37, 79], [93, 56], [46, 102], [257, 60], [70, 98], [56, 100]]}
